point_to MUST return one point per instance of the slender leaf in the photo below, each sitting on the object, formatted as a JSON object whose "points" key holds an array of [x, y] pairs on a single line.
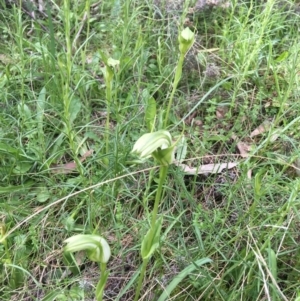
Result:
{"points": [[150, 113], [150, 245], [188, 270]]}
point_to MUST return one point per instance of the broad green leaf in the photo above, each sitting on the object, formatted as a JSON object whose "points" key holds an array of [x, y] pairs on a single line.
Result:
{"points": [[43, 195], [22, 168], [69, 223]]}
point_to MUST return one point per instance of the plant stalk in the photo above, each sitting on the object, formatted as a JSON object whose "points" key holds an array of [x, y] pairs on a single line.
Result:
{"points": [[141, 278], [162, 177], [108, 110], [102, 282], [177, 77]]}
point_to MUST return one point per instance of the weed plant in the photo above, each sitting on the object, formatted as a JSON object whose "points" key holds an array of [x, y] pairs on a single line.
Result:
{"points": [[80, 81]]}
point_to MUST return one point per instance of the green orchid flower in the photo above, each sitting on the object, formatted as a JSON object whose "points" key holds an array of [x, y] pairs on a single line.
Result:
{"points": [[96, 247], [158, 145]]}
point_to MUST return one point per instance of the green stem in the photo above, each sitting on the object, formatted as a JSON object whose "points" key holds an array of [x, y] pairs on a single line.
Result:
{"points": [[174, 87], [108, 109], [67, 95], [67, 28], [141, 278], [101, 284], [107, 131], [162, 177], [146, 193]]}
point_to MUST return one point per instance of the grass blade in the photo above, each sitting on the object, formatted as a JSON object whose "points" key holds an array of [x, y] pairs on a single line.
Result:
{"points": [[173, 284]]}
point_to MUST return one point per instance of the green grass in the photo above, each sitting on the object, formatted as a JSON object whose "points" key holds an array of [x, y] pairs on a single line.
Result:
{"points": [[243, 70]]}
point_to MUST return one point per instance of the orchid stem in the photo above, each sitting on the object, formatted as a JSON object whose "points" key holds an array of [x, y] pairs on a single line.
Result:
{"points": [[177, 78], [162, 177]]}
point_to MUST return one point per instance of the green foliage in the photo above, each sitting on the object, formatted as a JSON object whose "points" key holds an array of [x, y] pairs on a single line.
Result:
{"points": [[174, 283], [82, 81], [150, 113], [151, 240]]}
